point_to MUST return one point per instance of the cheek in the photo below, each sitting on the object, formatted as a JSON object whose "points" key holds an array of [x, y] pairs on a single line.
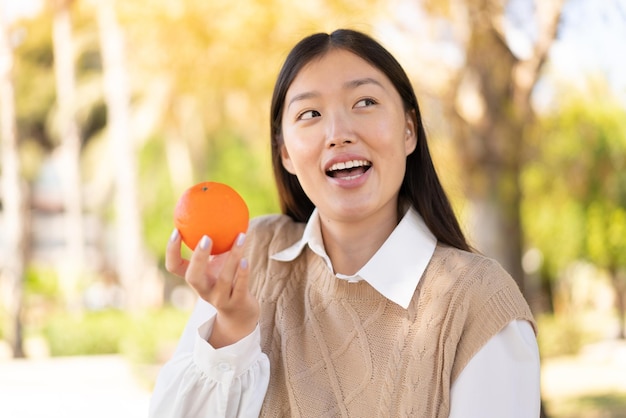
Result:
{"points": [[386, 136], [300, 147]]}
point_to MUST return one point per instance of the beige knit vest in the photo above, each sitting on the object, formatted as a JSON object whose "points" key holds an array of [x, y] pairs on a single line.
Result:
{"points": [[340, 349]]}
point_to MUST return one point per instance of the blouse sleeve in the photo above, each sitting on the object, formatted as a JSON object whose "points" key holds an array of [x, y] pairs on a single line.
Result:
{"points": [[502, 379], [201, 381]]}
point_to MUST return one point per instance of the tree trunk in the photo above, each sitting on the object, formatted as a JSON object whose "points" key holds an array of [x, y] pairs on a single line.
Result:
{"points": [[490, 143], [13, 201], [130, 258], [72, 265], [619, 287], [490, 110]]}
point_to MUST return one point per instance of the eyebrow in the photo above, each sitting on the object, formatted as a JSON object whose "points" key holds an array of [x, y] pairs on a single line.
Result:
{"points": [[302, 96], [352, 84], [361, 81]]}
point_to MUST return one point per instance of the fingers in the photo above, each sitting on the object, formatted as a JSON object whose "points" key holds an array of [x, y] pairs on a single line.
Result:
{"points": [[240, 287], [174, 263], [231, 272], [196, 274], [220, 280]]}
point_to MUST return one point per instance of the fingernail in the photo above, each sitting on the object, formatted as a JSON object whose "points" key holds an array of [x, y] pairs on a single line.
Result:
{"points": [[243, 263], [174, 235], [241, 238], [205, 242]]}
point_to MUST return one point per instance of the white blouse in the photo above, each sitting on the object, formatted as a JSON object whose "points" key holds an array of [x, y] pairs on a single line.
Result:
{"points": [[501, 380]]}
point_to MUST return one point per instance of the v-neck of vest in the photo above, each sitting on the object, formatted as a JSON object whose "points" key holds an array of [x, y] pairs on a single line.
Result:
{"points": [[325, 281]]}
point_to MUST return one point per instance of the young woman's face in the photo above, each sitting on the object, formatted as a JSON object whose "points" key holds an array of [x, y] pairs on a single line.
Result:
{"points": [[346, 137]]}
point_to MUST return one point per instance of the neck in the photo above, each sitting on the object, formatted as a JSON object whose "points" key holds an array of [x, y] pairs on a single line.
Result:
{"points": [[351, 244]]}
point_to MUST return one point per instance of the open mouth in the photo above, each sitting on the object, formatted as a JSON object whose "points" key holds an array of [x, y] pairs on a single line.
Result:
{"points": [[348, 169]]}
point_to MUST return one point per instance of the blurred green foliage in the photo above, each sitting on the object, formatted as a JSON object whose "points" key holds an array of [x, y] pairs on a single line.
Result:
{"points": [[42, 282], [601, 405], [153, 335], [159, 198], [228, 160], [574, 202], [563, 335], [148, 337], [98, 332]]}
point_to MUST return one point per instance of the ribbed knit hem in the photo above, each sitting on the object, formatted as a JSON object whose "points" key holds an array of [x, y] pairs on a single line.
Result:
{"points": [[504, 306]]}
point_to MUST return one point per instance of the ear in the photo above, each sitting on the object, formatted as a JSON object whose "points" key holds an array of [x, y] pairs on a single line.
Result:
{"points": [[287, 163], [410, 134]]}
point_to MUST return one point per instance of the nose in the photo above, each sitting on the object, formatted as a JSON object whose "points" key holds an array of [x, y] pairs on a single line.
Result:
{"points": [[339, 130]]}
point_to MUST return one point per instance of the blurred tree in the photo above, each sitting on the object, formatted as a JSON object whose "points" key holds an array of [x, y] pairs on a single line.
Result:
{"points": [[35, 85], [484, 84], [14, 208], [487, 99], [194, 109], [72, 265], [39, 115], [576, 189], [130, 255]]}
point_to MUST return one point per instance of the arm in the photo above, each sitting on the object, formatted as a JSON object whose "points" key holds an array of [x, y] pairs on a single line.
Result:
{"points": [[502, 379], [218, 368], [201, 381]]}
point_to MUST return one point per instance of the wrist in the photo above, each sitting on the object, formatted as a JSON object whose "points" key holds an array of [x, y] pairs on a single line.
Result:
{"points": [[226, 333]]}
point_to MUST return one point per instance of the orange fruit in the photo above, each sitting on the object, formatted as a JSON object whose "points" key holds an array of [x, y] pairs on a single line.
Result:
{"points": [[213, 209]]}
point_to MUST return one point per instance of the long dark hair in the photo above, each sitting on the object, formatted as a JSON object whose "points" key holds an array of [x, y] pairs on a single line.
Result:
{"points": [[421, 186]]}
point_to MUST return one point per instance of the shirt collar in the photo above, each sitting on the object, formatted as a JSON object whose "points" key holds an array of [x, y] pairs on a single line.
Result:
{"points": [[395, 269]]}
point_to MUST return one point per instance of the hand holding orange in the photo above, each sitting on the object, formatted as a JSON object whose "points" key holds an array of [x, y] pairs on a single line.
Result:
{"points": [[213, 209]]}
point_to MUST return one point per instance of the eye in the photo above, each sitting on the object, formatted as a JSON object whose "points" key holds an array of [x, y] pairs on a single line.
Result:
{"points": [[365, 102], [309, 114]]}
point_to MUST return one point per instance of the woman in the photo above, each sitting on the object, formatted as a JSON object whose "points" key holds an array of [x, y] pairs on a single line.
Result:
{"points": [[364, 298]]}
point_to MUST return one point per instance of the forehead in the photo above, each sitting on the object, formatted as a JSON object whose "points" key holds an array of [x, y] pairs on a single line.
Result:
{"points": [[334, 68]]}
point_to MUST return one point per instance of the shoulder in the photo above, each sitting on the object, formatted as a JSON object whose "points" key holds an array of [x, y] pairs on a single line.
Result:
{"points": [[478, 284], [483, 299], [469, 269]]}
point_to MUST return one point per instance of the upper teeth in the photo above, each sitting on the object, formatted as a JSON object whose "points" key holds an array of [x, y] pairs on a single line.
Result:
{"points": [[349, 164]]}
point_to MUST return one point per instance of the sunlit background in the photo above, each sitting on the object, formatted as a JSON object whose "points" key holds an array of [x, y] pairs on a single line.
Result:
{"points": [[110, 110]]}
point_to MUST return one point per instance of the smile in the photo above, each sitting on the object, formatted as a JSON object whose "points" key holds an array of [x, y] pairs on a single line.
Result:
{"points": [[348, 169]]}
